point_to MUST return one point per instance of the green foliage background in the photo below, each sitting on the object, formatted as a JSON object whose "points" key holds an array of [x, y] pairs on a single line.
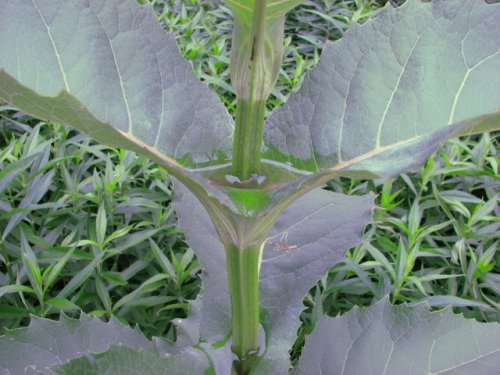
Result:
{"points": [[87, 227]]}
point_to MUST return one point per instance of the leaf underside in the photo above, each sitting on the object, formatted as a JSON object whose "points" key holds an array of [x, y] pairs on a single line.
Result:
{"points": [[394, 340], [389, 92]]}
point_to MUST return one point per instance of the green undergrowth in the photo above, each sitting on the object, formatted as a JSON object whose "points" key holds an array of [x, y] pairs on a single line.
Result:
{"points": [[87, 227], [82, 226]]}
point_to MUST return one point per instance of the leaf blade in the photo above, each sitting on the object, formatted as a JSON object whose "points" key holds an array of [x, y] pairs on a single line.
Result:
{"points": [[126, 87], [309, 238], [46, 343], [382, 93], [401, 340], [118, 358]]}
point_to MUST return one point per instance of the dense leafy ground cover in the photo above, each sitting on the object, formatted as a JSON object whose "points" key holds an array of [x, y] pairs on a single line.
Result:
{"points": [[88, 227]]}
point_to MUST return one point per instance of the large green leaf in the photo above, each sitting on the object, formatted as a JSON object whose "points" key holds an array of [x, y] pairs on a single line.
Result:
{"points": [[392, 90], [310, 236], [210, 314], [65, 347], [395, 340], [378, 103], [46, 343], [125, 361], [109, 70]]}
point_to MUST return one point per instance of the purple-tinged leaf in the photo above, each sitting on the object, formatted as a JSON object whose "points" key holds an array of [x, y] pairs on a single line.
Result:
{"points": [[390, 91], [46, 343], [393, 340], [123, 360]]}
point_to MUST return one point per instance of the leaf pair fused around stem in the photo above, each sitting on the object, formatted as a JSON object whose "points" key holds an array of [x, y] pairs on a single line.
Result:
{"points": [[378, 104]]}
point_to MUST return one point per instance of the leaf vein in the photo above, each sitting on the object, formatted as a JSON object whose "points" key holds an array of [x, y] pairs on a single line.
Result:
{"points": [[120, 78], [462, 85], [465, 362], [391, 98], [52, 41]]}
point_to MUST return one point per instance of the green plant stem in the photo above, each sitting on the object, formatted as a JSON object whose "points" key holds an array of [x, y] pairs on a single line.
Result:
{"points": [[247, 146], [243, 266], [250, 109]]}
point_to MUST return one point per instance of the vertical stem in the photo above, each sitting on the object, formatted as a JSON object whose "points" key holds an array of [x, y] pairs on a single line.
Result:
{"points": [[248, 133], [250, 109], [243, 267]]}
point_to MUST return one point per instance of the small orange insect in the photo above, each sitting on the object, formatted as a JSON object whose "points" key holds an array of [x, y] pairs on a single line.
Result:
{"points": [[282, 244]]}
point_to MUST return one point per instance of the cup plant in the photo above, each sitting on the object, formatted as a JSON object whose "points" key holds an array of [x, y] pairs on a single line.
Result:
{"points": [[249, 196]]}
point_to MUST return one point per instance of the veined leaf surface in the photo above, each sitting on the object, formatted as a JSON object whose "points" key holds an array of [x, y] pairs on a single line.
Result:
{"points": [[393, 340], [122, 360], [46, 343], [309, 238], [389, 92], [109, 70], [380, 101], [65, 346]]}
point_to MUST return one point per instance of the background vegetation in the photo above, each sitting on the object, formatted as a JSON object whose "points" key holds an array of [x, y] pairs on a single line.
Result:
{"points": [[90, 228]]}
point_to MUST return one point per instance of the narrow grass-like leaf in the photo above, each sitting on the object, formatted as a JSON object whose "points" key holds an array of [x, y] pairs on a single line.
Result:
{"points": [[114, 277], [11, 171], [31, 263], [62, 304], [165, 264], [103, 294], [15, 289], [36, 190], [135, 239], [101, 225], [12, 312], [81, 276], [443, 301], [150, 284], [55, 271]]}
